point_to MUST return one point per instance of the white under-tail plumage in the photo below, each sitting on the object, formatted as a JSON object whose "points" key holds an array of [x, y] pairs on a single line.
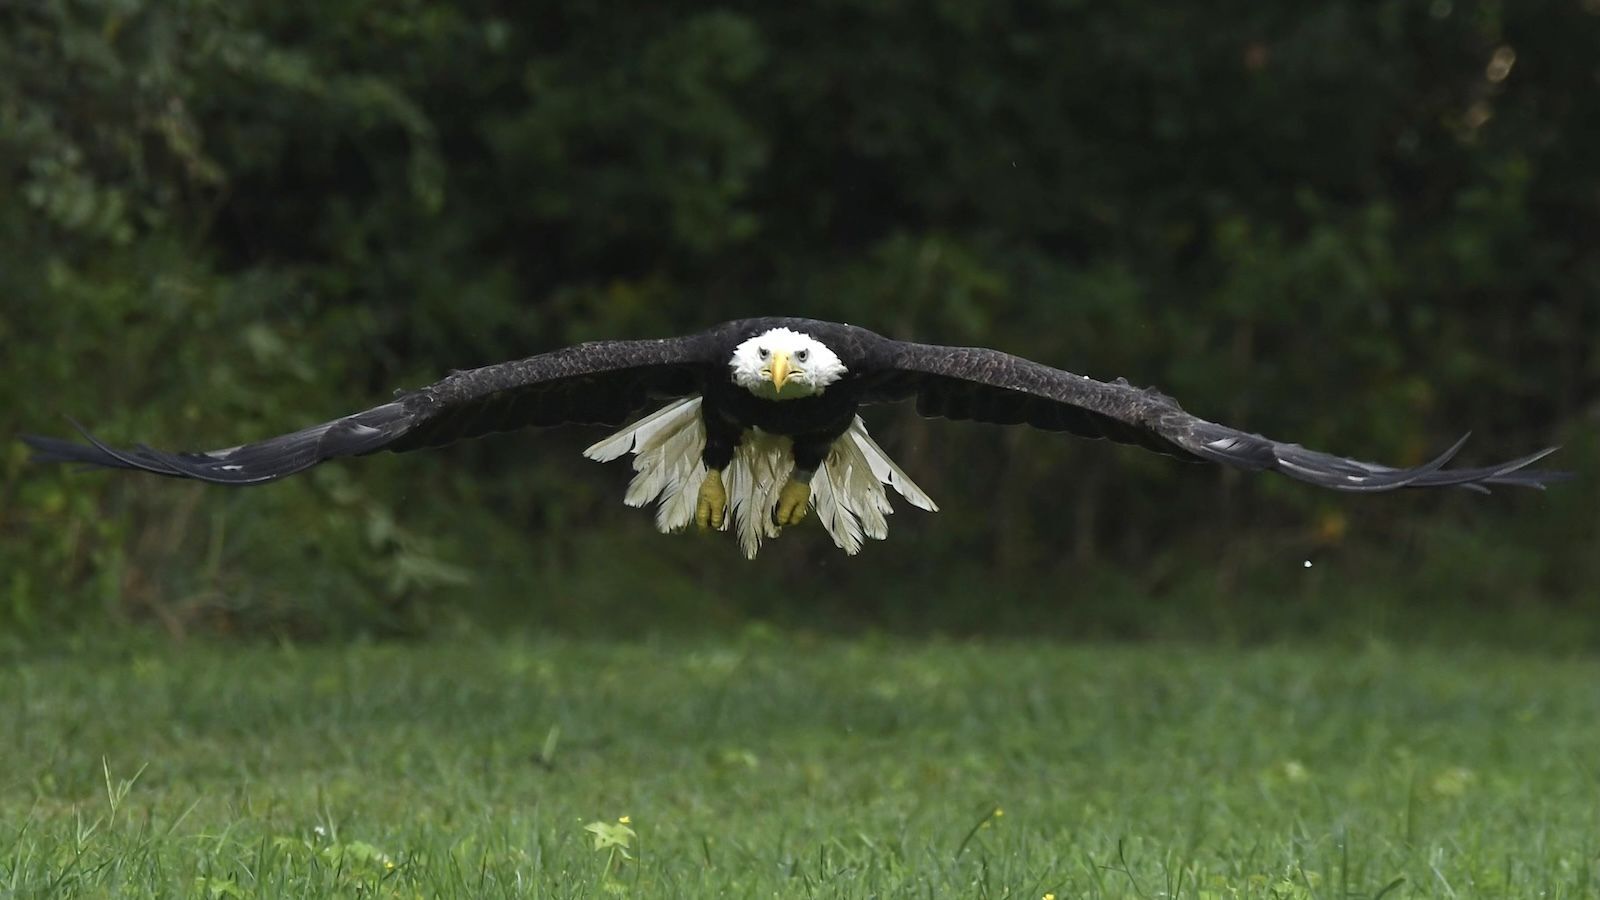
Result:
{"points": [[847, 493]]}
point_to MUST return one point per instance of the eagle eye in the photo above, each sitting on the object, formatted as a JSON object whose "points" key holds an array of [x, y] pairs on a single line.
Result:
{"points": [[802, 354], [762, 351]]}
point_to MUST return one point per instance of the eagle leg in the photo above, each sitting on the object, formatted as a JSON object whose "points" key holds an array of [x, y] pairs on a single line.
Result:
{"points": [[794, 500], [711, 506]]}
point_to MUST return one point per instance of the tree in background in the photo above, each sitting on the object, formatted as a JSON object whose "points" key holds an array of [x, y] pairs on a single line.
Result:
{"points": [[1362, 226]]}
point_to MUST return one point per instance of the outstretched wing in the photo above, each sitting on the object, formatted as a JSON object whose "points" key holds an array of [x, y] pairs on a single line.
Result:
{"points": [[989, 386], [604, 383]]}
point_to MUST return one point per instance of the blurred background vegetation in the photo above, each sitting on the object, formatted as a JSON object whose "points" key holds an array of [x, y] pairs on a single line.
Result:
{"points": [[1365, 226]]}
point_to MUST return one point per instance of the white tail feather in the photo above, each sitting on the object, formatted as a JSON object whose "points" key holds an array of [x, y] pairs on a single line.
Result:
{"points": [[844, 528], [761, 465], [847, 493], [885, 469], [633, 437]]}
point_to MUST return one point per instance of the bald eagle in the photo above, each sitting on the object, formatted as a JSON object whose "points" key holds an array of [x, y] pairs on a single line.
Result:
{"points": [[757, 422]]}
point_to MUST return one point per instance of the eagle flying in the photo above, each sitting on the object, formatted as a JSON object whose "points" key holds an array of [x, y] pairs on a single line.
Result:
{"points": [[760, 421]]}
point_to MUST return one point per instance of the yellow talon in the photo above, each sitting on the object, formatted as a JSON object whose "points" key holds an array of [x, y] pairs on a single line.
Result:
{"points": [[711, 507], [794, 501]]}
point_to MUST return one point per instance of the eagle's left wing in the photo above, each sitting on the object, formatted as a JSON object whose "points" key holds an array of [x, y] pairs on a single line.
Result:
{"points": [[602, 383], [986, 385]]}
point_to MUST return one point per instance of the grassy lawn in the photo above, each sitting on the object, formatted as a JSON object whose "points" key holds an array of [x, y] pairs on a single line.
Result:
{"points": [[780, 766]]}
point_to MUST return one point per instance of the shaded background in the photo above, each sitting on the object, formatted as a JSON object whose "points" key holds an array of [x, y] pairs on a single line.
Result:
{"points": [[1364, 226]]}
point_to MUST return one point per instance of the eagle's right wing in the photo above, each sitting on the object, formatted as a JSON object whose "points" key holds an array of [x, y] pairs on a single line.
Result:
{"points": [[603, 383]]}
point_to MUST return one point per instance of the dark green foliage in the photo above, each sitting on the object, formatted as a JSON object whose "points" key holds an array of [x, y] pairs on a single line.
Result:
{"points": [[1364, 227]]}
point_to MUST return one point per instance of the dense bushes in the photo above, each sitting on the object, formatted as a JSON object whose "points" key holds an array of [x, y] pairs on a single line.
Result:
{"points": [[1366, 226]]}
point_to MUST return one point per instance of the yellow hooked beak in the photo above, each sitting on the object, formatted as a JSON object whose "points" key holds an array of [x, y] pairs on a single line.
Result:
{"points": [[780, 369]]}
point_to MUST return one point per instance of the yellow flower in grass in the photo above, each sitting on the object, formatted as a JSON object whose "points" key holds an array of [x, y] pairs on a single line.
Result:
{"points": [[614, 838]]}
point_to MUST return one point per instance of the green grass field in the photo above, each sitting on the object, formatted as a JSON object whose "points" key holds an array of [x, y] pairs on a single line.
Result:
{"points": [[783, 766]]}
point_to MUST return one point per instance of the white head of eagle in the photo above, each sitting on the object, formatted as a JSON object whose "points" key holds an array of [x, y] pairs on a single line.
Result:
{"points": [[780, 364]]}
